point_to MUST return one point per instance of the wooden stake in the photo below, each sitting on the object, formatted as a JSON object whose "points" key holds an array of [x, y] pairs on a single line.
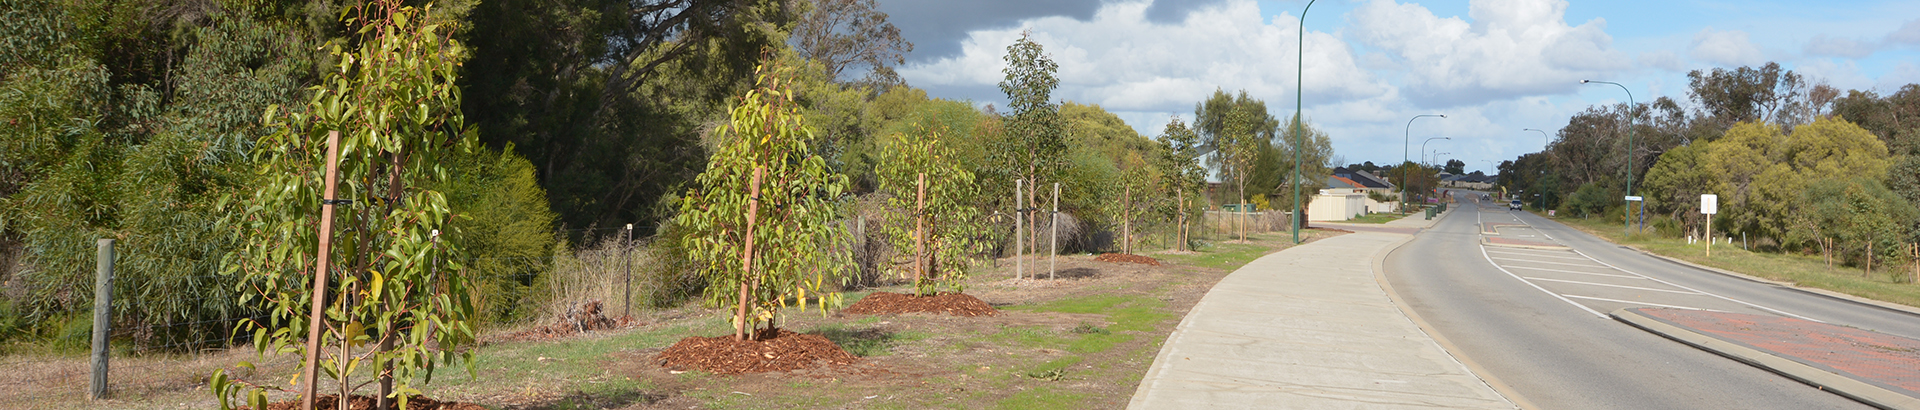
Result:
{"points": [[309, 377], [1054, 252], [740, 327], [1019, 239], [920, 236], [1126, 220]]}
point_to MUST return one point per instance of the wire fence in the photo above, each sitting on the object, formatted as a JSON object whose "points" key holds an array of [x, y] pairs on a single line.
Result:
{"points": [[174, 358]]}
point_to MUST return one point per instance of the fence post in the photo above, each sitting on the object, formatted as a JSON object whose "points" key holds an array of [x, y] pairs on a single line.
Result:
{"points": [[626, 254], [1054, 222], [102, 316]]}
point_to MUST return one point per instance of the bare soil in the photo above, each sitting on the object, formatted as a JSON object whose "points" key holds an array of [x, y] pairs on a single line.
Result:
{"points": [[889, 303], [359, 402], [1127, 258]]}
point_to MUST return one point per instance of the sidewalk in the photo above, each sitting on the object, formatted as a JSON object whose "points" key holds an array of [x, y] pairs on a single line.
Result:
{"points": [[1876, 368], [1309, 327]]}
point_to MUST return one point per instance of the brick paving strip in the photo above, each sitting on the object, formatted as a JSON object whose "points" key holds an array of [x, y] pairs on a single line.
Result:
{"points": [[1878, 369]]}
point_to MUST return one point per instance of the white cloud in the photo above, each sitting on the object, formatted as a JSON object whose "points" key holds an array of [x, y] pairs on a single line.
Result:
{"points": [[1823, 45], [1511, 48], [1844, 74], [1901, 75], [1124, 62], [1664, 60], [1725, 48], [1908, 34]]}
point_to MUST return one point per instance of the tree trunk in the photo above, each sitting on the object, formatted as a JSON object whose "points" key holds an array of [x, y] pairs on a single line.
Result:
{"points": [[740, 327]]}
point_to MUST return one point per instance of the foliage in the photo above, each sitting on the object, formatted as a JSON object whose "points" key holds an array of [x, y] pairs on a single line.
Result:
{"points": [[394, 104], [794, 228], [504, 226], [1854, 213], [841, 34], [609, 99], [951, 227], [1455, 167], [1674, 185], [101, 148], [1182, 177], [1590, 199]]}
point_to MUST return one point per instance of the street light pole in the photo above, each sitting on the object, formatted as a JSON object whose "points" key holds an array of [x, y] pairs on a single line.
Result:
{"points": [[1628, 228], [1423, 148], [1407, 142], [1299, 92]]}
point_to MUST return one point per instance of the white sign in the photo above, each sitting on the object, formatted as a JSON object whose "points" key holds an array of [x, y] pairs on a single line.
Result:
{"points": [[1709, 204], [1634, 198]]}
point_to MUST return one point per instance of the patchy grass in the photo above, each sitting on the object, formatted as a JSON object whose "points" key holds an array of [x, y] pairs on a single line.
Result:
{"points": [[1041, 398], [1803, 270], [866, 341], [1230, 255], [1376, 218]]}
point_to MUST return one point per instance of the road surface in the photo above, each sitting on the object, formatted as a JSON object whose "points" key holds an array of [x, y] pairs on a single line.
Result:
{"points": [[1528, 312]]}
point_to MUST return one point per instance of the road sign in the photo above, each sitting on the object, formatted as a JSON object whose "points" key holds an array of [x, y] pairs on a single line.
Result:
{"points": [[1709, 204], [1631, 198]]}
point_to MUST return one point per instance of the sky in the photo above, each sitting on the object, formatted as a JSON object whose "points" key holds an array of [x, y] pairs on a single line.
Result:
{"points": [[1493, 67]]}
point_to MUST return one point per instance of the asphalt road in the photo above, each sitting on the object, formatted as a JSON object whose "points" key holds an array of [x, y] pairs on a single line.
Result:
{"points": [[1531, 317]]}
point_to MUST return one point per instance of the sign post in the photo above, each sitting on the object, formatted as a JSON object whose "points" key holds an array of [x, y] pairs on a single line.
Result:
{"points": [[1709, 205], [1643, 210]]}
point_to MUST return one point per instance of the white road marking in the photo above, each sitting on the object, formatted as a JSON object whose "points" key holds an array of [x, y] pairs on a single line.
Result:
{"points": [[1483, 253], [1502, 252], [1545, 262], [1616, 286], [1580, 273], [1638, 303], [1692, 289]]}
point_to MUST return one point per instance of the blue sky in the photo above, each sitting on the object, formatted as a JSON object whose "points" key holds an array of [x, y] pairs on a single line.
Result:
{"points": [[1494, 67]]}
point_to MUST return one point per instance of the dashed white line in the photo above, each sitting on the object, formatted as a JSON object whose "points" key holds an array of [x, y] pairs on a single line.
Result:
{"points": [[1545, 262], [1695, 290], [1638, 303], [1537, 255], [1483, 253], [1579, 272], [1615, 286]]}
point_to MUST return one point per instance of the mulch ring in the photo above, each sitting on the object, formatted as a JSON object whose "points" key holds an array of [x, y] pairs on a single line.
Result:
{"points": [[581, 318], [888, 303], [360, 402], [1129, 258], [777, 351]]}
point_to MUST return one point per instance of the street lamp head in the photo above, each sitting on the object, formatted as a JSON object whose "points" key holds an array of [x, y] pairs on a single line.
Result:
{"points": [[1443, 116], [1585, 81]]}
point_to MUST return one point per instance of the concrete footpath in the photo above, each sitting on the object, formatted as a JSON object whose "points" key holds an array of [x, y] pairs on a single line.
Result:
{"points": [[1309, 328]]}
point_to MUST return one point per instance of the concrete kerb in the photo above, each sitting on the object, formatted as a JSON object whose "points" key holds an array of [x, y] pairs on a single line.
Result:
{"points": [[1789, 285], [1842, 385], [1380, 276]]}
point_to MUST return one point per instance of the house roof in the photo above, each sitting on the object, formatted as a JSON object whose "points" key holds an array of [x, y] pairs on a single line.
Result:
{"points": [[1362, 178], [1335, 181]]}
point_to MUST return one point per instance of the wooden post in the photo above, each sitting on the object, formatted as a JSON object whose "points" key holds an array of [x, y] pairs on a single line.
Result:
{"points": [[1054, 252], [740, 327], [920, 235], [1709, 235], [1126, 220], [626, 255], [102, 317], [309, 377], [1869, 258], [1180, 228], [1019, 242]]}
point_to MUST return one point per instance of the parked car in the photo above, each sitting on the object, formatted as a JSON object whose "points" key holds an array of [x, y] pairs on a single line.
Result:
{"points": [[1513, 206]]}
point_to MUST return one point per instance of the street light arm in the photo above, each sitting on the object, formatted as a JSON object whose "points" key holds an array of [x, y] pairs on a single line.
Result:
{"points": [[1406, 142]]}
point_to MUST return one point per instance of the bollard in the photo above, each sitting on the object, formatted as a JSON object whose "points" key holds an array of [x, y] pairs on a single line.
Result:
{"points": [[102, 316]]}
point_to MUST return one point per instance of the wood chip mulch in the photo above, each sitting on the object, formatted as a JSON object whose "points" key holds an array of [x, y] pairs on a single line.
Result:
{"points": [[360, 402], [783, 351], [888, 303], [1128, 258]]}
